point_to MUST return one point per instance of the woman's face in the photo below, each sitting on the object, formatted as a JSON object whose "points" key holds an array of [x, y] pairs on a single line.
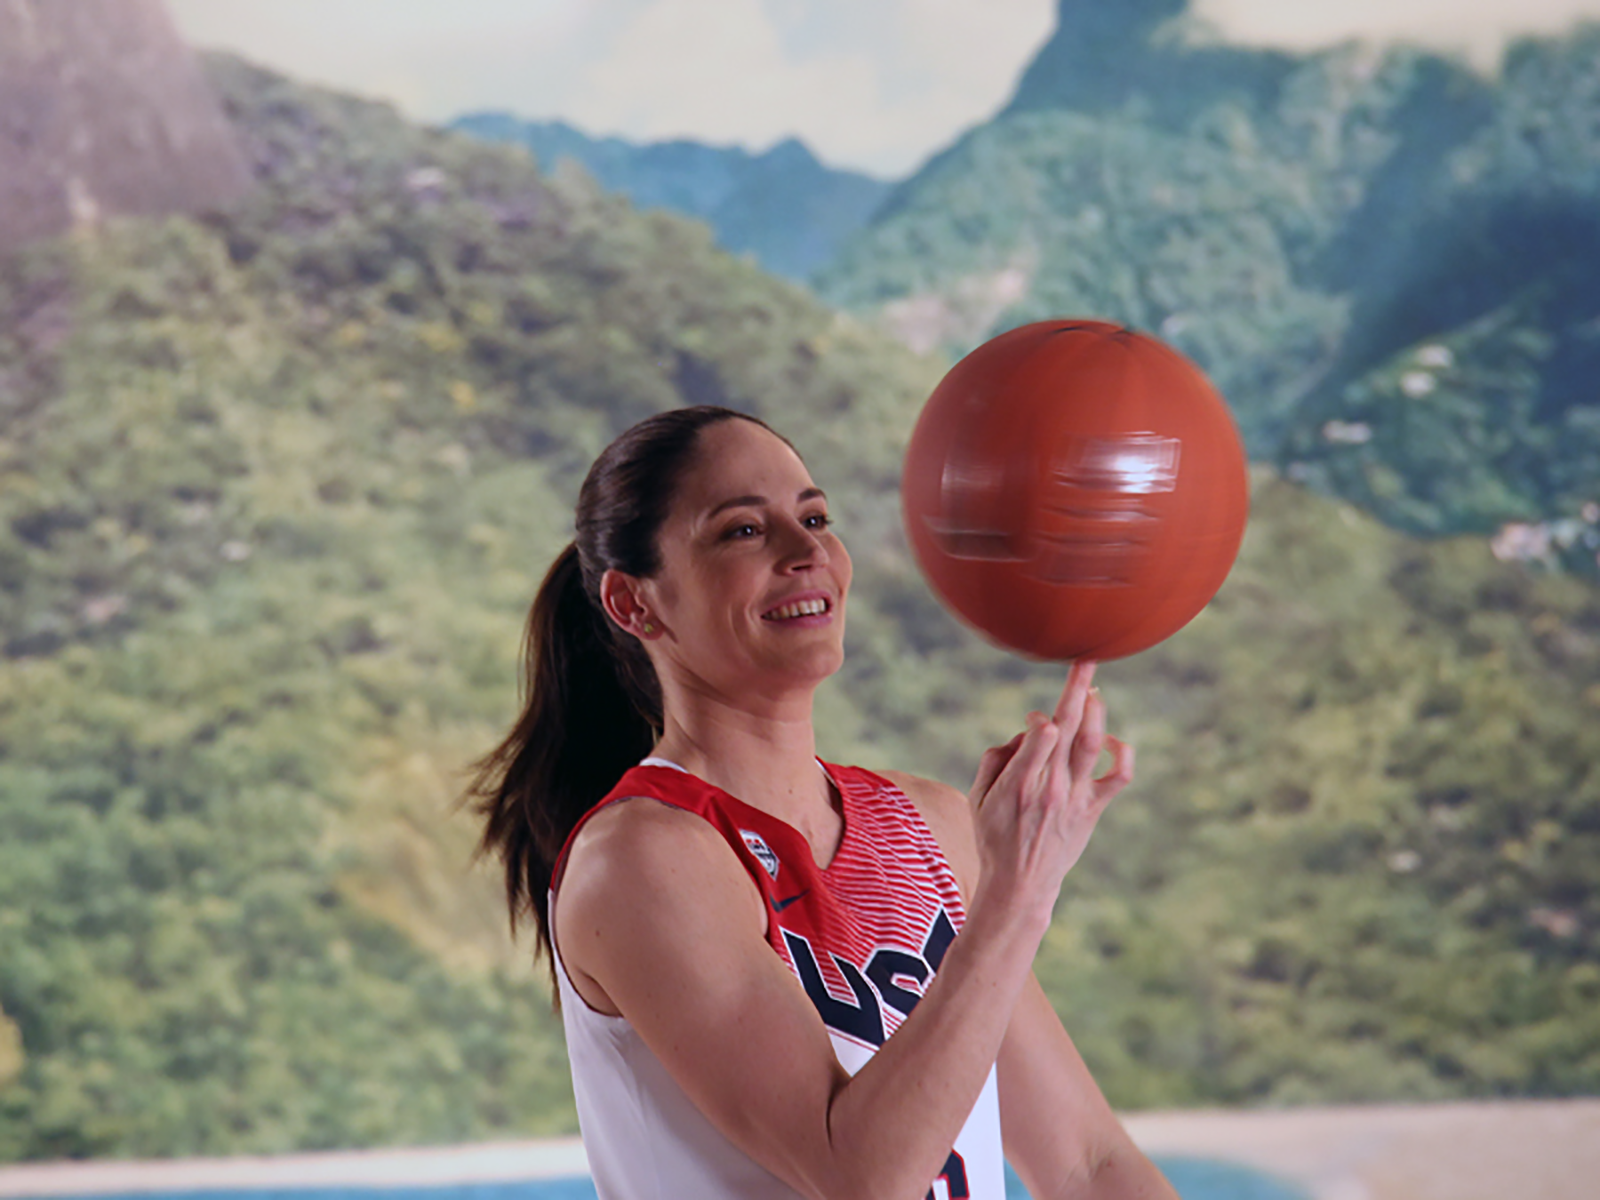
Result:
{"points": [[749, 600]]}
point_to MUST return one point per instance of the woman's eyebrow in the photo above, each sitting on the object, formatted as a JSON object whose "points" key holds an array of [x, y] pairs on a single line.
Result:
{"points": [[810, 493], [738, 502]]}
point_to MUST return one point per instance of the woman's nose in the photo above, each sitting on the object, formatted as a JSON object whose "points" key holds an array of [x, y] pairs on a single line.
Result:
{"points": [[803, 547]]}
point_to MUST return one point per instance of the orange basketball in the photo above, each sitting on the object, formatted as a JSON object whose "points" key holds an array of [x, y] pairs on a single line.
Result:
{"points": [[1075, 490]]}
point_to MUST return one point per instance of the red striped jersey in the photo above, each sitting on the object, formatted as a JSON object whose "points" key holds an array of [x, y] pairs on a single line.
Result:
{"points": [[863, 936]]}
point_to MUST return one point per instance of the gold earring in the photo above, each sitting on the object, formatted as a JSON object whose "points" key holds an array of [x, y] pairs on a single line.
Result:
{"points": [[649, 627]]}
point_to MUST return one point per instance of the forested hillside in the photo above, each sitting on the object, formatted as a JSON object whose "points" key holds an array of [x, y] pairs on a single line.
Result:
{"points": [[1385, 260], [275, 489], [274, 494]]}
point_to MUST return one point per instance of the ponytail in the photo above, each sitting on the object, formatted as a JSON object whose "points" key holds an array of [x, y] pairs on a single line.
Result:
{"points": [[591, 703], [581, 727]]}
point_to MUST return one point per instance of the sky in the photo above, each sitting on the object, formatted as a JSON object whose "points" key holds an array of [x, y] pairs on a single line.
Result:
{"points": [[876, 85]]}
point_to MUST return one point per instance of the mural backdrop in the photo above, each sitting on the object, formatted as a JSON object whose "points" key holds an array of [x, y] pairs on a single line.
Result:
{"points": [[295, 395]]}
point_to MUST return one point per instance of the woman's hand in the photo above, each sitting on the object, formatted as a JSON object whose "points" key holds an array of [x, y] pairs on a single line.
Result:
{"points": [[1037, 800]]}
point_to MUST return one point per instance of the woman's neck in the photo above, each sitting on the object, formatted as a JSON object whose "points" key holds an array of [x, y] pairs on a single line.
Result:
{"points": [[767, 759]]}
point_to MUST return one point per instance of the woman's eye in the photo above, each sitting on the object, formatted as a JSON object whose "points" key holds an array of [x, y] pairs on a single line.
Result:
{"points": [[748, 529], [818, 521]]}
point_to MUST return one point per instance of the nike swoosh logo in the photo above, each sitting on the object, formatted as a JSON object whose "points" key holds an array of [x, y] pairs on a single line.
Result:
{"points": [[780, 905]]}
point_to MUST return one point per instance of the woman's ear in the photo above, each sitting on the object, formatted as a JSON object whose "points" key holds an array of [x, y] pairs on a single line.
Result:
{"points": [[622, 597]]}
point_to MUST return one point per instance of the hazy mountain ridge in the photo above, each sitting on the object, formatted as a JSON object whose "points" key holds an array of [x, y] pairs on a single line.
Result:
{"points": [[1301, 226], [275, 490], [781, 205]]}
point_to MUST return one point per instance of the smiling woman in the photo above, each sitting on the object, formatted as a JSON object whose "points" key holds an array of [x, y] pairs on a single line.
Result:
{"points": [[781, 977]]}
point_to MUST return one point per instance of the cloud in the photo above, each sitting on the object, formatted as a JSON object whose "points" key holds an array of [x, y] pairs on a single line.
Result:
{"points": [[877, 86], [1479, 28], [435, 58], [716, 69], [874, 84]]}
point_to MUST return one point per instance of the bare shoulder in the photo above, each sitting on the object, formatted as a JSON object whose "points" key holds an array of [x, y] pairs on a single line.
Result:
{"points": [[644, 871], [948, 813], [638, 833], [644, 847]]}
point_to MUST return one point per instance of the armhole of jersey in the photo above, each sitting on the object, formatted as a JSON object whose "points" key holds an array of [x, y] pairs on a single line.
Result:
{"points": [[550, 903], [564, 981]]}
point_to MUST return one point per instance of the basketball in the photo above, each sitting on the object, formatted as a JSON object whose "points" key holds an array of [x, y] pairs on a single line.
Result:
{"points": [[1074, 489]]}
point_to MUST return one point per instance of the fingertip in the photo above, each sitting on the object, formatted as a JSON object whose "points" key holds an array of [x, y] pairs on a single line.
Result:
{"points": [[1123, 760], [1072, 695], [1093, 706]]}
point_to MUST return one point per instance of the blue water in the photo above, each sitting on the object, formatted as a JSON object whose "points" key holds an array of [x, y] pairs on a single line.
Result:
{"points": [[1202, 1179], [1195, 1179]]}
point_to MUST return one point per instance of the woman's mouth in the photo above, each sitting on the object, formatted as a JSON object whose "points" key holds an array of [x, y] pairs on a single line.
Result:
{"points": [[813, 607]]}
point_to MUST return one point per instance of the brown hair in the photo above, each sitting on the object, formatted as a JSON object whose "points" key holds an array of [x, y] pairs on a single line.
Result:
{"points": [[591, 705]]}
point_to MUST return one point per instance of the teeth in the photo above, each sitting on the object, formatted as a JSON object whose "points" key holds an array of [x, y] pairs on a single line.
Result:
{"points": [[801, 608]]}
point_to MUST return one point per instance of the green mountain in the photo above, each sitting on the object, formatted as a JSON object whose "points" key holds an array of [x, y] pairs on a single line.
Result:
{"points": [[1104, 57], [1314, 230], [782, 206], [1472, 361], [275, 489]]}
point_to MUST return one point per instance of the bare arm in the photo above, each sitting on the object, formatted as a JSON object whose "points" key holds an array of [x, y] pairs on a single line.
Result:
{"points": [[1060, 1134], [658, 921]]}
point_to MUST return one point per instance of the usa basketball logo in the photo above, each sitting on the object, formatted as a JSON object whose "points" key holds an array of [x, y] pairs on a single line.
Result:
{"points": [[757, 845]]}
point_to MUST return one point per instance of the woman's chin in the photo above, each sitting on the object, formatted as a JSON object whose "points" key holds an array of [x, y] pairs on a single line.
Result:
{"points": [[803, 668]]}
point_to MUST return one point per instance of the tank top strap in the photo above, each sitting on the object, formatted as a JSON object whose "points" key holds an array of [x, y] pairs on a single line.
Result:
{"points": [[759, 840]]}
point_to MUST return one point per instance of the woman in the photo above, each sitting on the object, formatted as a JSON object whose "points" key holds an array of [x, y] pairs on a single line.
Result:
{"points": [[736, 929]]}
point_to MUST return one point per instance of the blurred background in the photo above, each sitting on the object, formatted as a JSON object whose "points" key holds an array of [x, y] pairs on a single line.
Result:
{"points": [[312, 317]]}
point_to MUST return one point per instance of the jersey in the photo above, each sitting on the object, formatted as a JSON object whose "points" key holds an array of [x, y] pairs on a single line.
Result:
{"points": [[863, 937]]}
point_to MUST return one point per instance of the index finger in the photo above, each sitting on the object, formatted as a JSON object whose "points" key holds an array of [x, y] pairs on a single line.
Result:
{"points": [[1069, 709], [991, 764]]}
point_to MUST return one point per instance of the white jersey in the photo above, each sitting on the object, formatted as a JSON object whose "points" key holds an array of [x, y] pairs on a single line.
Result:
{"points": [[863, 935]]}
